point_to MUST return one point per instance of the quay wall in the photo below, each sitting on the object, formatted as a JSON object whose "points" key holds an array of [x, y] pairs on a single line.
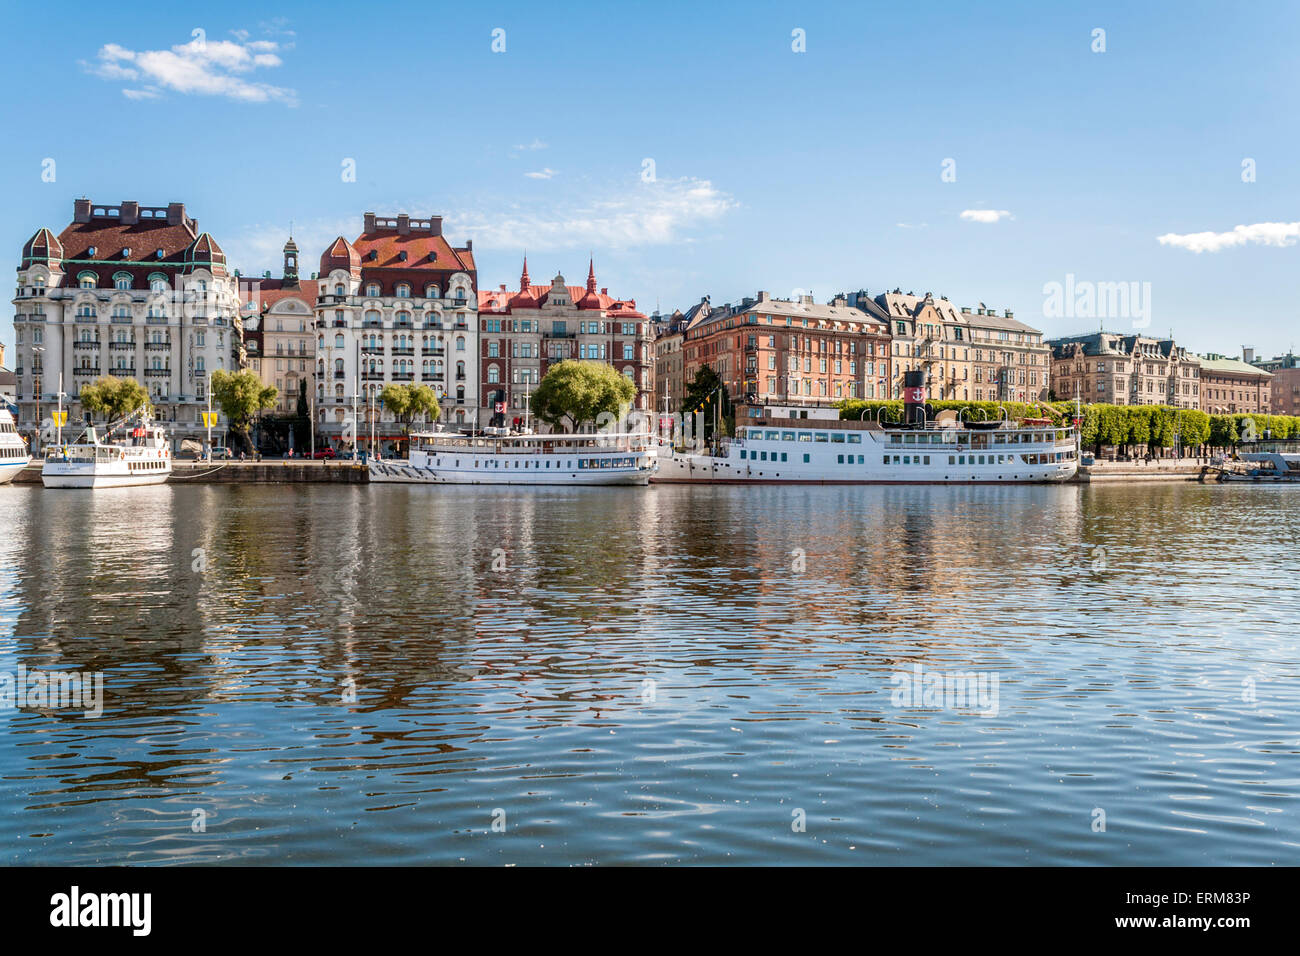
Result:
{"points": [[247, 472], [1160, 469]]}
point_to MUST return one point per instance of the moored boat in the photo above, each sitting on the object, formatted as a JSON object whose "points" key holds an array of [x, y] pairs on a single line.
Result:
{"points": [[139, 455], [521, 459], [13, 449]]}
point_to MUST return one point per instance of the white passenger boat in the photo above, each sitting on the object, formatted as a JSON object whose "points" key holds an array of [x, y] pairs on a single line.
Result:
{"points": [[826, 450], [138, 455], [13, 449], [527, 459]]}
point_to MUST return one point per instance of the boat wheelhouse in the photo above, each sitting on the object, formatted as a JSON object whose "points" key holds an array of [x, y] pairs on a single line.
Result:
{"points": [[13, 449], [523, 459], [139, 455]]}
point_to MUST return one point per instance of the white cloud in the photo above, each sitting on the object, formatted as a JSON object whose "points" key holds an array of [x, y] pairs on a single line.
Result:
{"points": [[1259, 233], [546, 173], [534, 145], [984, 215], [206, 68], [644, 213]]}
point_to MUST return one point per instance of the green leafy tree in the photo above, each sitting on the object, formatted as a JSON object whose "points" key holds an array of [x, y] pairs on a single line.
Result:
{"points": [[241, 396], [409, 402], [580, 392], [1223, 431], [1193, 428], [704, 392], [114, 397]]}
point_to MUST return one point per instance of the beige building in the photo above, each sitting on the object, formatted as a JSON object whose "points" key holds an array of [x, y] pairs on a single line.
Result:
{"points": [[282, 314], [1117, 369], [1231, 386], [970, 355]]}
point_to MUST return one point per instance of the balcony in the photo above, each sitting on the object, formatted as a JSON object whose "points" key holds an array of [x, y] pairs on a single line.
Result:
{"points": [[86, 372], [400, 351], [340, 375], [403, 376], [128, 372], [157, 372], [372, 376], [157, 346], [121, 346], [84, 345]]}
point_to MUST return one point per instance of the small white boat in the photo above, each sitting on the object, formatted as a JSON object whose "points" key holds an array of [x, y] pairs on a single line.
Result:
{"points": [[140, 455], [13, 449], [527, 459]]}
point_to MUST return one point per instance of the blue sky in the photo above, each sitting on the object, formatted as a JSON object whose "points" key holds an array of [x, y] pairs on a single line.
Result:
{"points": [[773, 169]]}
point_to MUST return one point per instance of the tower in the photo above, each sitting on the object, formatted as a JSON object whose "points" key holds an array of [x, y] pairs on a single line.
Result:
{"points": [[290, 264]]}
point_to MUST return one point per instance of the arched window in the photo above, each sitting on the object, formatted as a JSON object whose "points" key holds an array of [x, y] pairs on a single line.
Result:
{"points": [[460, 344], [494, 375], [86, 311], [121, 312], [460, 394], [338, 340], [372, 289], [431, 291], [403, 290], [122, 280], [338, 367], [338, 289], [460, 370], [87, 280]]}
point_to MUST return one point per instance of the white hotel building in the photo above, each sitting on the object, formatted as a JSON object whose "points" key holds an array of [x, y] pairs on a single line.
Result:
{"points": [[126, 290], [396, 305]]}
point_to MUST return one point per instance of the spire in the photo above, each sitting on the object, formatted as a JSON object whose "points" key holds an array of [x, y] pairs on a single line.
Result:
{"points": [[591, 275], [523, 278]]}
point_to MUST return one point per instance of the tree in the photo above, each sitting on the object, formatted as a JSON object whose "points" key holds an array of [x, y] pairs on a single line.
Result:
{"points": [[408, 401], [581, 392], [702, 394], [241, 395], [114, 397]]}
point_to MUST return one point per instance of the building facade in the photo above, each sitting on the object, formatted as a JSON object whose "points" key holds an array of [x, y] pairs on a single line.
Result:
{"points": [[1231, 386], [794, 353], [398, 304], [1286, 381], [523, 333], [1119, 369], [279, 332], [130, 291]]}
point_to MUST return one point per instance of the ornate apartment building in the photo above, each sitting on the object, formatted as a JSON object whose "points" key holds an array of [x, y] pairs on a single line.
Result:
{"points": [[777, 351], [970, 355], [280, 333], [1231, 386], [1125, 370], [397, 304], [522, 333], [127, 290]]}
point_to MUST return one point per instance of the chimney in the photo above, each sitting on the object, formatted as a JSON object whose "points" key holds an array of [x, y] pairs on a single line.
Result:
{"points": [[435, 223], [1247, 355], [1009, 314], [469, 243], [175, 213], [840, 301], [763, 297], [369, 222], [130, 213], [403, 224], [81, 210]]}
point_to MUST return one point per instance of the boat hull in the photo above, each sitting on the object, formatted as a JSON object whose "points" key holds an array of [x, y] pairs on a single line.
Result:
{"points": [[396, 472], [66, 478], [704, 470], [10, 469]]}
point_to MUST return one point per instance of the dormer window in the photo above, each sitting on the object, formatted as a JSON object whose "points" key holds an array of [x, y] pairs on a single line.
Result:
{"points": [[92, 251], [431, 292], [126, 252], [122, 281], [158, 252], [372, 289], [401, 256], [87, 280], [403, 290]]}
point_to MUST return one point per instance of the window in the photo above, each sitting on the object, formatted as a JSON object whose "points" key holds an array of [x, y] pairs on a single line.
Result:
{"points": [[403, 290], [372, 289]]}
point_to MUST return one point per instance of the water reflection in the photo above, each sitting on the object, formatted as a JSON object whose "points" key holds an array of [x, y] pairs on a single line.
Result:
{"points": [[340, 674]]}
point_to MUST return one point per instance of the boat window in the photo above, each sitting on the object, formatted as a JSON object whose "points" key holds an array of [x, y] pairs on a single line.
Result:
{"points": [[837, 437], [787, 436], [772, 436], [805, 436], [855, 439], [820, 436]]}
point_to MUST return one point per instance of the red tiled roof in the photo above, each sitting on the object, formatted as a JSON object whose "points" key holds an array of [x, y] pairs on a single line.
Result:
{"points": [[536, 295], [340, 255], [387, 245]]}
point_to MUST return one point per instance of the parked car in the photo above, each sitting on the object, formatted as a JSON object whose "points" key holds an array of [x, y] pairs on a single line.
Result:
{"points": [[323, 454]]}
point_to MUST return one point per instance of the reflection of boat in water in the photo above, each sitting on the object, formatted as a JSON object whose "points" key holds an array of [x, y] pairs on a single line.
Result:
{"points": [[528, 459], [1263, 466], [13, 450], [141, 456], [823, 449]]}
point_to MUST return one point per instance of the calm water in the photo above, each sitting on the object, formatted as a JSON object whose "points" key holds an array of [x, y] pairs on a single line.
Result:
{"points": [[671, 674]]}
